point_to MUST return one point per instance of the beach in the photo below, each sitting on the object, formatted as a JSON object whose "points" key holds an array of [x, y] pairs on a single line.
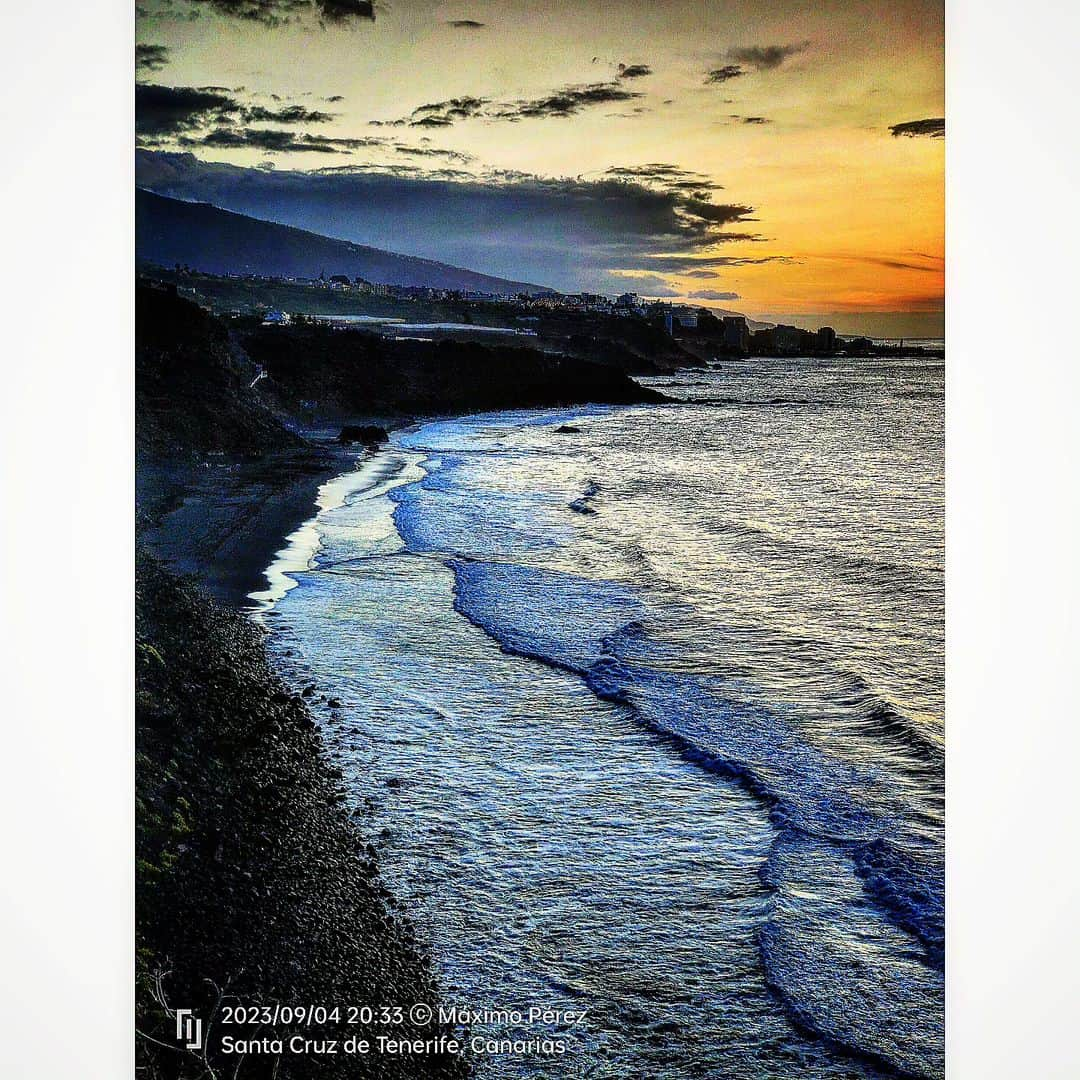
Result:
{"points": [[221, 521]]}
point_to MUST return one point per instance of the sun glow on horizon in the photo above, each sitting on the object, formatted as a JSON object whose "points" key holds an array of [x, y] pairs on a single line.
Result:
{"points": [[785, 112]]}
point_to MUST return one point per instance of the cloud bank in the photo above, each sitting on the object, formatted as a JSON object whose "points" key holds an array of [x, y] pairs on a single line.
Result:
{"points": [[267, 13], [567, 233]]}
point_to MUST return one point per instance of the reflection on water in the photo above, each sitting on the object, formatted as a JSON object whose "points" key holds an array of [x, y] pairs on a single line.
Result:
{"points": [[677, 759], [372, 477]]}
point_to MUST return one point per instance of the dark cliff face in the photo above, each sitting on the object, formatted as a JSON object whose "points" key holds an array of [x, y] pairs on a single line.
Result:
{"points": [[349, 372], [630, 344], [194, 394], [192, 385], [254, 884]]}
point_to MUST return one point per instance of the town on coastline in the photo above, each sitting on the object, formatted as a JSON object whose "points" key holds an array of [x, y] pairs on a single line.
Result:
{"points": [[391, 310]]}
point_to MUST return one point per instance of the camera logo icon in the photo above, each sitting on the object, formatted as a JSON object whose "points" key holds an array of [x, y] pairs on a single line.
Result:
{"points": [[188, 1029]]}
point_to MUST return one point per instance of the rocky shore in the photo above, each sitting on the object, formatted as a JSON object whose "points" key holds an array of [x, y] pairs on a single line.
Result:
{"points": [[255, 885]]}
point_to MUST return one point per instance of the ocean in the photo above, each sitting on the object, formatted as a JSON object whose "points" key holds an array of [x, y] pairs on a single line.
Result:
{"points": [[643, 707]]}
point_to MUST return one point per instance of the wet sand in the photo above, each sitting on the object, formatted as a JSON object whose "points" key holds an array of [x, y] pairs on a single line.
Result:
{"points": [[223, 521]]}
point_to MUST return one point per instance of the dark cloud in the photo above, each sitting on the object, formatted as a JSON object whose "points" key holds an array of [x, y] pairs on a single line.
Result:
{"points": [[459, 108], [568, 101], [213, 115], [766, 57], [566, 232], [702, 265], [751, 119], [437, 114], [712, 294], [927, 129], [344, 11], [723, 74], [717, 214], [634, 71], [895, 264], [161, 111], [433, 152], [290, 114], [151, 57], [276, 141], [465, 24], [269, 140], [269, 13], [670, 177], [274, 13], [333, 98]]}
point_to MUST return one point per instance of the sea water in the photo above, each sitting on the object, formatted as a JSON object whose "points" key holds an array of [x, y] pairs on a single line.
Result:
{"points": [[644, 709]]}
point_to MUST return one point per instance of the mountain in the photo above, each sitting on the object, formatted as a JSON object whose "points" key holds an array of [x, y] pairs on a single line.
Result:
{"points": [[207, 238]]}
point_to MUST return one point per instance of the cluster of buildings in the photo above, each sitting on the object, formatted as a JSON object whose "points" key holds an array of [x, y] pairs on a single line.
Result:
{"points": [[791, 341], [733, 336], [727, 334], [341, 283]]}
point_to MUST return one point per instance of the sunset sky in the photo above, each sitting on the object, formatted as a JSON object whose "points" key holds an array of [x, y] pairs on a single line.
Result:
{"points": [[785, 159]]}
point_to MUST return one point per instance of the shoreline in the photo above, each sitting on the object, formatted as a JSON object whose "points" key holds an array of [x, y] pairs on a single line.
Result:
{"points": [[296, 500], [255, 884], [223, 522]]}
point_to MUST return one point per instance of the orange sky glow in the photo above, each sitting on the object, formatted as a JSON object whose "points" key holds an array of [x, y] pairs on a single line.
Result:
{"points": [[782, 107]]}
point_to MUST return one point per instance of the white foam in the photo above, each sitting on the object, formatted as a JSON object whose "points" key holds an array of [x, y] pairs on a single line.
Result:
{"points": [[374, 475]]}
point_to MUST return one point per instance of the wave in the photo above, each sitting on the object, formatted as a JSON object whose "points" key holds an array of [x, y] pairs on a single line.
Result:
{"points": [[582, 505], [886, 723], [840, 810], [877, 1001], [759, 402], [596, 630]]}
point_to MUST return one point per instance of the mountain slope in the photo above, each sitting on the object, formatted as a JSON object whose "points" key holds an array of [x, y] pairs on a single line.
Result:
{"points": [[169, 231]]}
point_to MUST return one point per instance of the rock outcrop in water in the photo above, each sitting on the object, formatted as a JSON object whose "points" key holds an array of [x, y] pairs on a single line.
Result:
{"points": [[368, 434]]}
